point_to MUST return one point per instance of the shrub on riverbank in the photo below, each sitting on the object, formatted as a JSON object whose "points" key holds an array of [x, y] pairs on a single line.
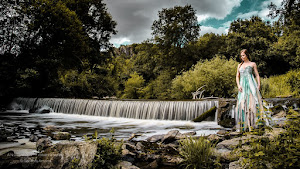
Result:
{"points": [[282, 85], [197, 153], [280, 152], [217, 74], [108, 152]]}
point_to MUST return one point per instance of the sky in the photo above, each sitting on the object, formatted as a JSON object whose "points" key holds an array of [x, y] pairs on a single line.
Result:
{"points": [[135, 17]]}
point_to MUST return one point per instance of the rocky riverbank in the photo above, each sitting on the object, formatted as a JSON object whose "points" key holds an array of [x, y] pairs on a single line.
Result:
{"points": [[157, 151], [53, 147]]}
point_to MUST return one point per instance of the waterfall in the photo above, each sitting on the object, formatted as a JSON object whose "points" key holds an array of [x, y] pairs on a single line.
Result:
{"points": [[137, 109]]}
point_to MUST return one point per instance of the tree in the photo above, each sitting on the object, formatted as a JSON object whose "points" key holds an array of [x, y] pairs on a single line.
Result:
{"points": [[57, 35], [289, 13], [133, 86], [206, 47], [175, 28], [255, 35]]}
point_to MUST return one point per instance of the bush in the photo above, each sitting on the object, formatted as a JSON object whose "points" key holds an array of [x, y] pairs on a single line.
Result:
{"points": [[217, 74], [108, 152], [197, 153], [133, 86], [282, 85], [282, 152]]}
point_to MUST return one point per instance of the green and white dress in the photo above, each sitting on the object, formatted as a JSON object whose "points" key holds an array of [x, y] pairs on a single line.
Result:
{"points": [[249, 109]]}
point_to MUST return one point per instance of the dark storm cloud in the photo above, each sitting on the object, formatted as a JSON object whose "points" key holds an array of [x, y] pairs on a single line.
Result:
{"points": [[135, 17]]}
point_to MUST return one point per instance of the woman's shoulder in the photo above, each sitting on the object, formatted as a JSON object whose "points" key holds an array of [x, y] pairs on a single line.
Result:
{"points": [[253, 64]]}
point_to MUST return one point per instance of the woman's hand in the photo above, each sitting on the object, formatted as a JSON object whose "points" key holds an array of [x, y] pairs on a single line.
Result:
{"points": [[240, 88]]}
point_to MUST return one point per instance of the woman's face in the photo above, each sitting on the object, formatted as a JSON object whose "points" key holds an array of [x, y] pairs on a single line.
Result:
{"points": [[244, 56]]}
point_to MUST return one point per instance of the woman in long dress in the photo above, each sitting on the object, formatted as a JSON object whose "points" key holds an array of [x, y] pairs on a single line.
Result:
{"points": [[249, 109]]}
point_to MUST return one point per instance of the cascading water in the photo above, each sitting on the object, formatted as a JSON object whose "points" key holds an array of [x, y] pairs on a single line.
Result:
{"points": [[163, 110]]}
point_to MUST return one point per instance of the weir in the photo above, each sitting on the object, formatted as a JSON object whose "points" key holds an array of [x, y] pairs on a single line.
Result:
{"points": [[137, 109]]}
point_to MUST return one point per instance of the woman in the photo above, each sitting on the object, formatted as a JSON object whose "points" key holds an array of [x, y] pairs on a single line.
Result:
{"points": [[249, 113]]}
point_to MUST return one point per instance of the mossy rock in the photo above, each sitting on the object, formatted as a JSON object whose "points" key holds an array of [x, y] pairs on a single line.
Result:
{"points": [[227, 123], [206, 114], [276, 109]]}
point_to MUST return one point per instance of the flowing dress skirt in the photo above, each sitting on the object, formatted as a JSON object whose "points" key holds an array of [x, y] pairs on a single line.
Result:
{"points": [[249, 110]]}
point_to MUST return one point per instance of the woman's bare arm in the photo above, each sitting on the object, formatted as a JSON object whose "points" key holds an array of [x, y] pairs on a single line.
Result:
{"points": [[256, 75], [237, 78]]}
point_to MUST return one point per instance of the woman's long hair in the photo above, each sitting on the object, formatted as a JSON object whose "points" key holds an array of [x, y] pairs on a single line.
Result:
{"points": [[246, 53]]}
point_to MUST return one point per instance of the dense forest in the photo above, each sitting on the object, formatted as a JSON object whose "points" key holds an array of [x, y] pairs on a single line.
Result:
{"points": [[61, 48]]}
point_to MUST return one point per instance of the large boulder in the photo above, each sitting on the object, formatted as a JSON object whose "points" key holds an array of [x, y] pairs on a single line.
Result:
{"points": [[43, 144], [67, 154], [225, 108]]}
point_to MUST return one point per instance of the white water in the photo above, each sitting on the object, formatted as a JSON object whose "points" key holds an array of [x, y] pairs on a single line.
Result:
{"points": [[79, 125], [83, 116], [164, 110]]}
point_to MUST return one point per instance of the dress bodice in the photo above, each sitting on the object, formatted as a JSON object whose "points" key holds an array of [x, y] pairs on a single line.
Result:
{"points": [[247, 71]]}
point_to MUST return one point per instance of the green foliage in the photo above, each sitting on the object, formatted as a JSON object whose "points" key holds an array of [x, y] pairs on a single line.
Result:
{"points": [[133, 86], [176, 26], [217, 74], [280, 152], [206, 47], [108, 151], [282, 85], [160, 87], [84, 84], [256, 36], [197, 153], [74, 163], [53, 36]]}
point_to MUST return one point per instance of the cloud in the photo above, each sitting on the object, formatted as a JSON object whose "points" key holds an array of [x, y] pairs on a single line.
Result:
{"points": [[218, 9], [263, 12], [209, 29], [134, 18]]}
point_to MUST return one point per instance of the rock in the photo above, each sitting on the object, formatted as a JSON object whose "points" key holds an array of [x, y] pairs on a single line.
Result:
{"points": [[155, 138], [271, 134], [3, 135], [173, 161], [232, 143], [235, 165], [9, 154], [126, 165], [152, 165], [222, 132], [45, 111], [225, 108], [43, 143], [63, 153], [227, 123], [171, 149], [95, 97], [170, 136], [52, 128], [62, 136], [33, 138], [128, 152], [140, 146], [280, 114], [184, 135], [206, 114], [277, 108], [129, 147], [214, 138]]}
